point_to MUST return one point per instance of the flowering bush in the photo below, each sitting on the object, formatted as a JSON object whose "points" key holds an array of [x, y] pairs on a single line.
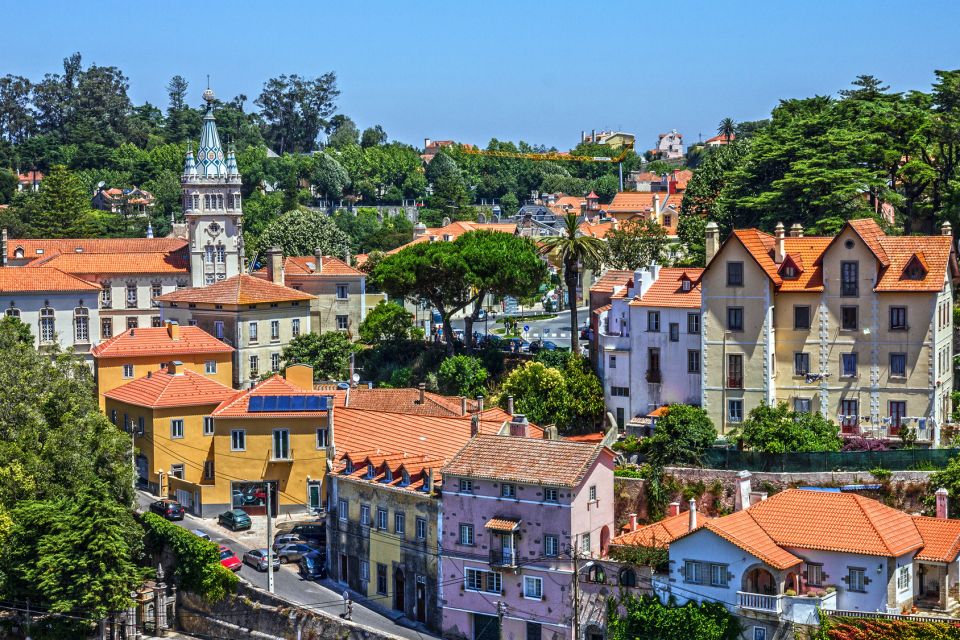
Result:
{"points": [[868, 629]]}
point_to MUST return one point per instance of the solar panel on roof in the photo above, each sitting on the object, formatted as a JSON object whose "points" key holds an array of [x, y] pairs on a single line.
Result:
{"points": [[279, 404]]}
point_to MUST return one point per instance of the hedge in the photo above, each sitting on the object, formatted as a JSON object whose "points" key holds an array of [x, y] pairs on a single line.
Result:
{"points": [[198, 567], [839, 628]]}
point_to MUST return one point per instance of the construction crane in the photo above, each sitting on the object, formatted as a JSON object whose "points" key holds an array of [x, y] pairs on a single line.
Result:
{"points": [[551, 155]]}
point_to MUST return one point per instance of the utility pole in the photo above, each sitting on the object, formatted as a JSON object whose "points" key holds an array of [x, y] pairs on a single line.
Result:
{"points": [[501, 612], [576, 589], [133, 456], [269, 538]]}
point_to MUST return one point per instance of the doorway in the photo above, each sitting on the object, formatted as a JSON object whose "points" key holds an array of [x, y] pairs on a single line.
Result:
{"points": [[486, 627], [314, 499], [421, 599], [398, 589], [343, 568]]}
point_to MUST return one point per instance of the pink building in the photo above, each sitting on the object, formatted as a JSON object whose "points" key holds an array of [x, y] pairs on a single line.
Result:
{"points": [[518, 513]]}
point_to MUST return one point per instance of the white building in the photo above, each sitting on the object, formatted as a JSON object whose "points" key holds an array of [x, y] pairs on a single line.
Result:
{"points": [[649, 342]]}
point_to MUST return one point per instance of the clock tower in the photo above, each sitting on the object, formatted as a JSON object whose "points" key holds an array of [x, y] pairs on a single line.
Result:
{"points": [[210, 186]]}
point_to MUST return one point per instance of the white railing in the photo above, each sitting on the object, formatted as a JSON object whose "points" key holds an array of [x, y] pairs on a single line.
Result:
{"points": [[758, 602]]}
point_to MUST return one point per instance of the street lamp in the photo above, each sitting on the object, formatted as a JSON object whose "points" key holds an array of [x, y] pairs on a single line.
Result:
{"points": [[160, 482]]}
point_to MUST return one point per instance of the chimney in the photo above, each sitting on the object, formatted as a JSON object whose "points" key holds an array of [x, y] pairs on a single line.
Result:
{"points": [[428, 480], [796, 230], [422, 387], [945, 229], [479, 404], [331, 442], [426, 143], [673, 509], [463, 405], [757, 496], [173, 330], [583, 136], [741, 499], [318, 260], [779, 251], [518, 426], [693, 514], [550, 432], [172, 367], [275, 265], [942, 504], [346, 256], [510, 405], [656, 207], [474, 425], [633, 521], [4, 238], [712, 240]]}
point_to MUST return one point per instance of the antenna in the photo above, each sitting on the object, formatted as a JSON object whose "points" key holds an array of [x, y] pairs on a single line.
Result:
{"points": [[208, 81]]}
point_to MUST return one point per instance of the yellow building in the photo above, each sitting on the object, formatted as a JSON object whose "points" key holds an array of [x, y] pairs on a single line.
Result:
{"points": [[858, 327], [277, 432], [169, 410], [135, 352]]}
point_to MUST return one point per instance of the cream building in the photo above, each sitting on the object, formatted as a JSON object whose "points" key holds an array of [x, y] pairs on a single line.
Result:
{"points": [[857, 327]]}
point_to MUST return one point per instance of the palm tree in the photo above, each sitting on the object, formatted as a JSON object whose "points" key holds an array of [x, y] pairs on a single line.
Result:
{"points": [[571, 250], [726, 129]]}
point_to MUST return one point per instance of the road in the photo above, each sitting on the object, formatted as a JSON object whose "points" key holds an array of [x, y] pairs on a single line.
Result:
{"points": [[326, 596], [555, 328]]}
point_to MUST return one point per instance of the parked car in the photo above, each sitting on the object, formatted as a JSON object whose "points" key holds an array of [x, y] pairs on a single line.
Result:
{"points": [[313, 566], [545, 345], [314, 533], [257, 558], [229, 559], [515, 345], [292, 552], [482, 315], [169, 509], [200, 533], [286, 538], [235, 520]]}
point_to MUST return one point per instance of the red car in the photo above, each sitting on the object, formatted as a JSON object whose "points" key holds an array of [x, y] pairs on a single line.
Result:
{"points": [[229, 559]]}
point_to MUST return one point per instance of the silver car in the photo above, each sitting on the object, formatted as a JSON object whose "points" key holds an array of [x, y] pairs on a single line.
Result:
{"points": [[293, 552], [286, 538], [257, 558]]}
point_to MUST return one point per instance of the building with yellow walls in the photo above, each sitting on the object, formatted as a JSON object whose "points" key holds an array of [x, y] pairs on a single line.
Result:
{"points": [[168, 413], [135, 352], [857, 327], [276, 434]]}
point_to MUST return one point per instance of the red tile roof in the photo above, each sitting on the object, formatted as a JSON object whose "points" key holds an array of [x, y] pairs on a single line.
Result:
{"points": [[611, 278], [941, 538], [160, 389], [633, 202], [177, 262], [238, 290], [407, 401], [525, 460], [156, 341], [934, 252], [40, 279], [111, 246], [276, 385], [598, 230], [457, 229], [307, 266], [667, 290], [416, 466], [742, 530], [591, 438], [660, 534], [502, 524]]}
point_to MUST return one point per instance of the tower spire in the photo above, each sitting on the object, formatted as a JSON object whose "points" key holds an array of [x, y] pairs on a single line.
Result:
{"points": [[210, 157]]}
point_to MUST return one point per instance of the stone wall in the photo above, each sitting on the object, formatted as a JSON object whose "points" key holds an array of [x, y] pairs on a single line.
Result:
{"points": [[904, 490], [253, 614]]}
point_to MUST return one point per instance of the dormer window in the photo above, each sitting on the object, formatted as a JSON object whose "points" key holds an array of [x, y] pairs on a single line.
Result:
{"points": [[685, 284], [789, 272], [916, 269], [18, 252], [349, 467], [404, 478], [371, 472], [387, 474]]}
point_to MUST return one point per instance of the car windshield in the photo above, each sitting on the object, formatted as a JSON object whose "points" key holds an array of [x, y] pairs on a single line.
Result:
{"points": [[226, 553]]}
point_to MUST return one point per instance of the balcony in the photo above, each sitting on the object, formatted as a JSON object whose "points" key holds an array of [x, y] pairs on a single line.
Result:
{"points": [[281, 456], [759, 602], [506, 558], [654, 375], [735, 382]]}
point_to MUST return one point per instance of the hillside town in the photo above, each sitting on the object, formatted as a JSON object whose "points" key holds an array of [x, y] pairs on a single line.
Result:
{"points": [[267, 374]]}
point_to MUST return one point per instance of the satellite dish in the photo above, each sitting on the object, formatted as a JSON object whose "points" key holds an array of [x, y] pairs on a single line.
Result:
{"points": [[101, 184], [356, 377]]}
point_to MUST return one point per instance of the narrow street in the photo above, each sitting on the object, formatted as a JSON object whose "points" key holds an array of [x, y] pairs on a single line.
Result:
{"points": [[324, 596]]}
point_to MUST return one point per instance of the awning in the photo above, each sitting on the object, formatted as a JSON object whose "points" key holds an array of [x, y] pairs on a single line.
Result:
{"points": [[506, 525]]}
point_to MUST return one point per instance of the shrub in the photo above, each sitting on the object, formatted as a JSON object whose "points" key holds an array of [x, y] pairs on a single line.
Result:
{"points": [[198, 567], [627, 472], [777, 429], [859, 443], [462, 376]]}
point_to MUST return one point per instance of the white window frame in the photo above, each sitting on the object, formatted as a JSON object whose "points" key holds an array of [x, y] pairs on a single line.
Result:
{"points": [[210, 367], [343, 322], [208, 428], [295, 327], [128, 371], [466, 485], [284, 442], [857, 586], [551, 545], [399, 523], [176, 428], [274, 329], [345, 290], [381, 519], [532, 588], [253, 331], [238, 440], [466, 537], [322, 434], [508, 490], [343, 510], [421, 528], [365, 515], [81, 325], [586, 544], [551, 494], [274, 362], [365, 570], [592, 493]]}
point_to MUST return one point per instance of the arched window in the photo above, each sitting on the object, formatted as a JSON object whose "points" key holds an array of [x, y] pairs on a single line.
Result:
{"points": [[12, 312], [628, 577], [48, 329], [596, 574], [106, 295], [18, 252], [81, 324], [208, 254], [221, 254]]}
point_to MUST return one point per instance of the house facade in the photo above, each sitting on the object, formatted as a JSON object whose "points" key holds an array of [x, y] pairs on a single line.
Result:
{"points": [[857, 327], [519, 514], [669, 146], [256, 317], [649, 342]]}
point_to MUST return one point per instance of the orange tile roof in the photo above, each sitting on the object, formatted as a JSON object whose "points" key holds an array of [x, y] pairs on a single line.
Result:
{"points": [[805, 253], [659, 411], [611, 278], [682, 177], [567, 202], [112, 246], [276, 385], [307, 266], [821, 520], [633, 201], [407, 401], [660, 534], [871, 234], [238, 290], [598, 230], [457, 229], [177, 262], [941, 538], [667, 290], [591, 438], [502, 524], [530, 460], [40, 279], [936, 252], [720, 138], [156, 341], [160, 389], [648, 176], [416, 467]]}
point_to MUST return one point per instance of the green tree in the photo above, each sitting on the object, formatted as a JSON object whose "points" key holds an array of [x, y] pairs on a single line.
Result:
{"points": [[328, 353], [949, 479], [571, 249], [300, 232], [539, 392], [636, 243], [386, 322], [449, 187], [606, 186], [343, 132], [630, 617], [373, 137], [8, 186], [462, 376], [777, 429], [329, 176], [681, 437], [294, 110], [727, 128], [586, 394], [61, 208]]}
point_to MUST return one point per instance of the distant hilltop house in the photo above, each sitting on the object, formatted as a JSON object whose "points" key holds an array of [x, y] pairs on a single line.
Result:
{"points": [[432, 148], [612, 139], [719, 140], [669, 147], [29, 181], [647, 181], [135, 201]]}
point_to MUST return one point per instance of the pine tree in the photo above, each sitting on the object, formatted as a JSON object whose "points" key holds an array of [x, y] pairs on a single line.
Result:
{"points": [[61, 208]]}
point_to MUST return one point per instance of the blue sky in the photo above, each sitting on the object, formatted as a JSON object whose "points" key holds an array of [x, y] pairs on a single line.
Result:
{"points": [[540, 71]]}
